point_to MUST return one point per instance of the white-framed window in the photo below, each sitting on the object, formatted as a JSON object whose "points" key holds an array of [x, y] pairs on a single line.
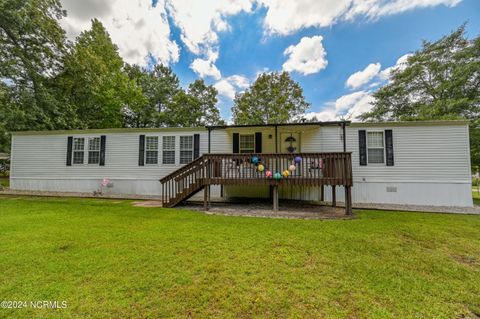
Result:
{"points": [[93, 150], [151, 150], [247, 143], [78, 150], [186, 149], [168, 150], [375, 147]]}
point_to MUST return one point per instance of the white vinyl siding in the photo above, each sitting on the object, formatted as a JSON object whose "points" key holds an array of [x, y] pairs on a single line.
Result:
{"points": [[247, 143], [168, 150], [151, 150], [186, 149], [375, 147], [78, 150], [94, 150]]}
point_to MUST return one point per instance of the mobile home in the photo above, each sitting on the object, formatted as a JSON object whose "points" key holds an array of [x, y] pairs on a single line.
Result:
{"points": [[421, 163]]}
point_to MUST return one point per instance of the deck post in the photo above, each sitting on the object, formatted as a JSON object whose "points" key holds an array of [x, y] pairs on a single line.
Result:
{"points": [[322, 193], [275, 198], [348, 200], [334, 196], [205, 197]]}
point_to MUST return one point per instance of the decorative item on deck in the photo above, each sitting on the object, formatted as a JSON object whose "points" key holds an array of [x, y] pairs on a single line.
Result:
{"points": [[286, 173], [292, 167], [260, 168], [298, 159], [268, 173], [277, 176], [255, 160]]}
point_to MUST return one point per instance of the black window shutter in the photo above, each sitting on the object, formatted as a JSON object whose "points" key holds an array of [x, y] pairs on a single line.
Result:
{"points": [[362, 143], [69, 150], [196, 146], [258, 142], [389, 147], [103, 142], [236, 143], [141, 151]]}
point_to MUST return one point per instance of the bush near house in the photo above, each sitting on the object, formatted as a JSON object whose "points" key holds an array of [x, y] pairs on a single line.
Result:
{"points": [[106, 258]]}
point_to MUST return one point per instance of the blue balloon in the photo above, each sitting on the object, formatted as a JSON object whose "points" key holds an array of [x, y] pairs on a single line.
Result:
{"points": [[298, 159], [255, 160]]}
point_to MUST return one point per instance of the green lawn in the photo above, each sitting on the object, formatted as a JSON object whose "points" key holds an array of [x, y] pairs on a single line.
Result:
{"points": [[4, 182], [476, 197], [106, 258]]}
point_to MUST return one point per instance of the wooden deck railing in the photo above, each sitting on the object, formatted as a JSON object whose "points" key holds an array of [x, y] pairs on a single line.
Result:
{"points": [[309, 169], [305, 169]]}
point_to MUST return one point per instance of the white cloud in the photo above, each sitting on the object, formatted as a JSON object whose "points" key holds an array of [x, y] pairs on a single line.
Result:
{"points": [[138, 28], [360, 78], [205, 68], [227, 87], [199, 21], [287, 16], [400, 65], [307, 57], [348, 106]]}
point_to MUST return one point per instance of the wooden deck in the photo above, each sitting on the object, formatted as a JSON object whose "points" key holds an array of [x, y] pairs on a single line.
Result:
{"points": [[304, 169]]}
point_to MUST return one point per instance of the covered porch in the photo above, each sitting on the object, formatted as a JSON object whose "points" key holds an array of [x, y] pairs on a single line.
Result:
{"points": [[273, 156]]}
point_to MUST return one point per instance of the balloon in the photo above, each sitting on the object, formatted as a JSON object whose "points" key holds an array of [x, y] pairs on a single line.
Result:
{"points": [[260, 167], [255, 160], [268, 173], [298, 159], [292, 167], [277, 175], [286, 173]]}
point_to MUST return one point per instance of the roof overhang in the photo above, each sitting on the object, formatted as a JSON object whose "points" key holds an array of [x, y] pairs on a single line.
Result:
{"points": [[330, 123]]}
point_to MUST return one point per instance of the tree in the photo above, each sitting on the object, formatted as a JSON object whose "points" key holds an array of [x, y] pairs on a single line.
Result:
{"points": [[206, 98], [32, 45], [194, 107], [440, 81], [273, 98], [94, 82], [159, 86]]}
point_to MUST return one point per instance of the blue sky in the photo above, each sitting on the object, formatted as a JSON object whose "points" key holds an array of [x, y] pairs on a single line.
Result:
{"points": [[229, 42]]}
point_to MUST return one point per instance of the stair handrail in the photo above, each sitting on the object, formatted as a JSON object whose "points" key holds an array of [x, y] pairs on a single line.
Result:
{"points": [[182, 170]]}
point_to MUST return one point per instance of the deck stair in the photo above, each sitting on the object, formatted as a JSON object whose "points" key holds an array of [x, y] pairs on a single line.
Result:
{"points": [[300, 169]]}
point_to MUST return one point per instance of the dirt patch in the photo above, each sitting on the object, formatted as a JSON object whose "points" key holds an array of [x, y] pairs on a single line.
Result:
{"points": [[465, 260], [295, 210], [148, 203]]}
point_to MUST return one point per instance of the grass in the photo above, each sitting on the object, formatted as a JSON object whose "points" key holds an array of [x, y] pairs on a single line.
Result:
{"points": [[4, 182], [476, 197], [106, 258]]}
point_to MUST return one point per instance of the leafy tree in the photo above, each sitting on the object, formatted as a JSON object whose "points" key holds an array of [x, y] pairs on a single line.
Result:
{"points": [[194, 107], [206, 99], [159, 86], [273, 98], [32, 45], [440, 81], [95, 83]]}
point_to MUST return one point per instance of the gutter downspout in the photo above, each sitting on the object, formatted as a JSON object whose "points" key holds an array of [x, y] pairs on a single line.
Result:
{"points": [[209, 131]]}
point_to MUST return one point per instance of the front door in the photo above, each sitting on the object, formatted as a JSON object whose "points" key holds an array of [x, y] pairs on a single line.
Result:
{"points": [[290, 142]]}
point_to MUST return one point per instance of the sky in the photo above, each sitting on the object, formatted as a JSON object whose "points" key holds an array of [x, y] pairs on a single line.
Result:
{"points": [[340, 51]]}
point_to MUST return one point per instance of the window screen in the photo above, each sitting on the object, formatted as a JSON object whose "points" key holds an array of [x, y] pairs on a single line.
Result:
{"points": [[247, 143], [78, 150], [151, 150], [168, 150], [375, 145], [186, 149], [94, 150]]}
